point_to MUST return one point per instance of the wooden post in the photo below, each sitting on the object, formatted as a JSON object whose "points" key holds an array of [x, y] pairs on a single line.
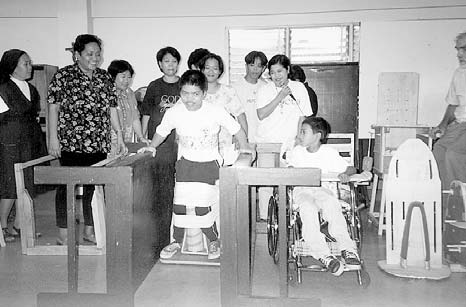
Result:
{"points": [[132, 249], [24, 204], [235, 269]]}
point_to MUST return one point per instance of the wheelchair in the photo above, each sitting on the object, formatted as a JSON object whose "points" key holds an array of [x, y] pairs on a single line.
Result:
{"points": [[299, 258]]}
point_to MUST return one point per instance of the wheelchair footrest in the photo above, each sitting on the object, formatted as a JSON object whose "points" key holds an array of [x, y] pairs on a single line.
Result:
{"points": [[301, 248]]}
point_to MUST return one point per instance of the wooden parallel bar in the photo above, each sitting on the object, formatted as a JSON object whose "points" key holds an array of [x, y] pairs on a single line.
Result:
{"points": [[77, 175], [279, 176], [228, 216], [236, 268], [282, 243], [244, 247], [120, 271], [72, 240], [25, 215], [119, 226], [36, 161]]}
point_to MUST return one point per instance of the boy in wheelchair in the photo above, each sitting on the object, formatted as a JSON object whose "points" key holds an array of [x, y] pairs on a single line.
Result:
{"points": [[311, 151]]}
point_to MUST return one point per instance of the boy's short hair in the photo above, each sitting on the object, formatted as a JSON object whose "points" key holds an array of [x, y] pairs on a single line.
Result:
{"points": [[194, 77], [196, 56], [215, 57], [319, 124], [297, 73], [119, 66], [167, 50], [251, 57]]}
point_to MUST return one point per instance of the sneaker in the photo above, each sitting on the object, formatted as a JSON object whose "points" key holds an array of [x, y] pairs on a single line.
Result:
{"points": [[214, 250], [170, 250], [332, 264], [351, 259]]}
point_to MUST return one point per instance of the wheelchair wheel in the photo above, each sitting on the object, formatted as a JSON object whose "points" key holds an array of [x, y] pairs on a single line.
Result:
{"points": [[358, 237], [364, 278], [272, 228], [355, 228]]}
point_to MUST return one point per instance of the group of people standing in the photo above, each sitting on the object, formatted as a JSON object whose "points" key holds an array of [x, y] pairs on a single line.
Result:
{"points": [[92, 113]]}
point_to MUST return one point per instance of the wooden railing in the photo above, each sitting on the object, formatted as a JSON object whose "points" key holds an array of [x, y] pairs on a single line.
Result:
{"points": [[235, 215]]}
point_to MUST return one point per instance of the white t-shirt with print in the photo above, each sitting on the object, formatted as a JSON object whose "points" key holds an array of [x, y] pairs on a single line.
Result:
{"points": [[247, 93], [326, 158], [282, 124], [197, 130]]}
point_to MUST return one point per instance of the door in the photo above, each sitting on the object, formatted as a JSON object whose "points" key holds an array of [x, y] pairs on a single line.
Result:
{"points": [[337, 89]]}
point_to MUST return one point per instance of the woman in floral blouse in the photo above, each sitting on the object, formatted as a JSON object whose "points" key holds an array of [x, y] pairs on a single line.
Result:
{"points": [[82, 108], [128, 114]]}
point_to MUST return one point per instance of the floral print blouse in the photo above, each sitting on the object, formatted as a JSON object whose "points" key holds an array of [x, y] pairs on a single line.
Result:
{"points": [[127, 114], [84, 117], [227, 98]]}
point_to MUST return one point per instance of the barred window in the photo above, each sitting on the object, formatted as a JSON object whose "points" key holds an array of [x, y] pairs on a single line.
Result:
{"points": [[303, 45], [241, 42]]}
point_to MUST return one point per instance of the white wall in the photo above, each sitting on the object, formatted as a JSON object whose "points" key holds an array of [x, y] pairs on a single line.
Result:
{"points": [[425, 47], [37, 36], [396, 35]]}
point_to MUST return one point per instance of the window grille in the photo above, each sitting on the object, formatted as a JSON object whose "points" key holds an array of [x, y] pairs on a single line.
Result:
{"points": [[303, 45]]}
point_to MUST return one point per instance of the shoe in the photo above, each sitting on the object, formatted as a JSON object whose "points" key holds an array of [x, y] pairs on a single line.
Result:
{"points": [[214, 250], [351, 259], [90, 239], [62, 238], [332, 264], [88, 234], [7, 236], [61, 241], [170, 250]]}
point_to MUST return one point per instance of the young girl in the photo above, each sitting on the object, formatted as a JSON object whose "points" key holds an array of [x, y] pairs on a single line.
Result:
{"points": [[225, 96], [122, 73], [197, 125]]}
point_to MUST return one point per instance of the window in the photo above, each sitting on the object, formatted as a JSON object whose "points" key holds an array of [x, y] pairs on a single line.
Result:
{"points": [[307, 45], [241, 42]]}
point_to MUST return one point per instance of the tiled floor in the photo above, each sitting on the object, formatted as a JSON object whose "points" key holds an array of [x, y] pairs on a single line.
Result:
{"points": [[22, 277]]}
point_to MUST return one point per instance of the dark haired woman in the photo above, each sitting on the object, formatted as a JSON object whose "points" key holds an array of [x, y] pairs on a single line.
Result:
{"points": [[225, 96], [82, 108], [21, 138], [161, 95], [297, 74], [122, 74], [282, 106]]}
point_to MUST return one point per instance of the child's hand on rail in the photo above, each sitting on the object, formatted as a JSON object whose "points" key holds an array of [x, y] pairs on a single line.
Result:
{"points": [[344, 178], [148, 149]]}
